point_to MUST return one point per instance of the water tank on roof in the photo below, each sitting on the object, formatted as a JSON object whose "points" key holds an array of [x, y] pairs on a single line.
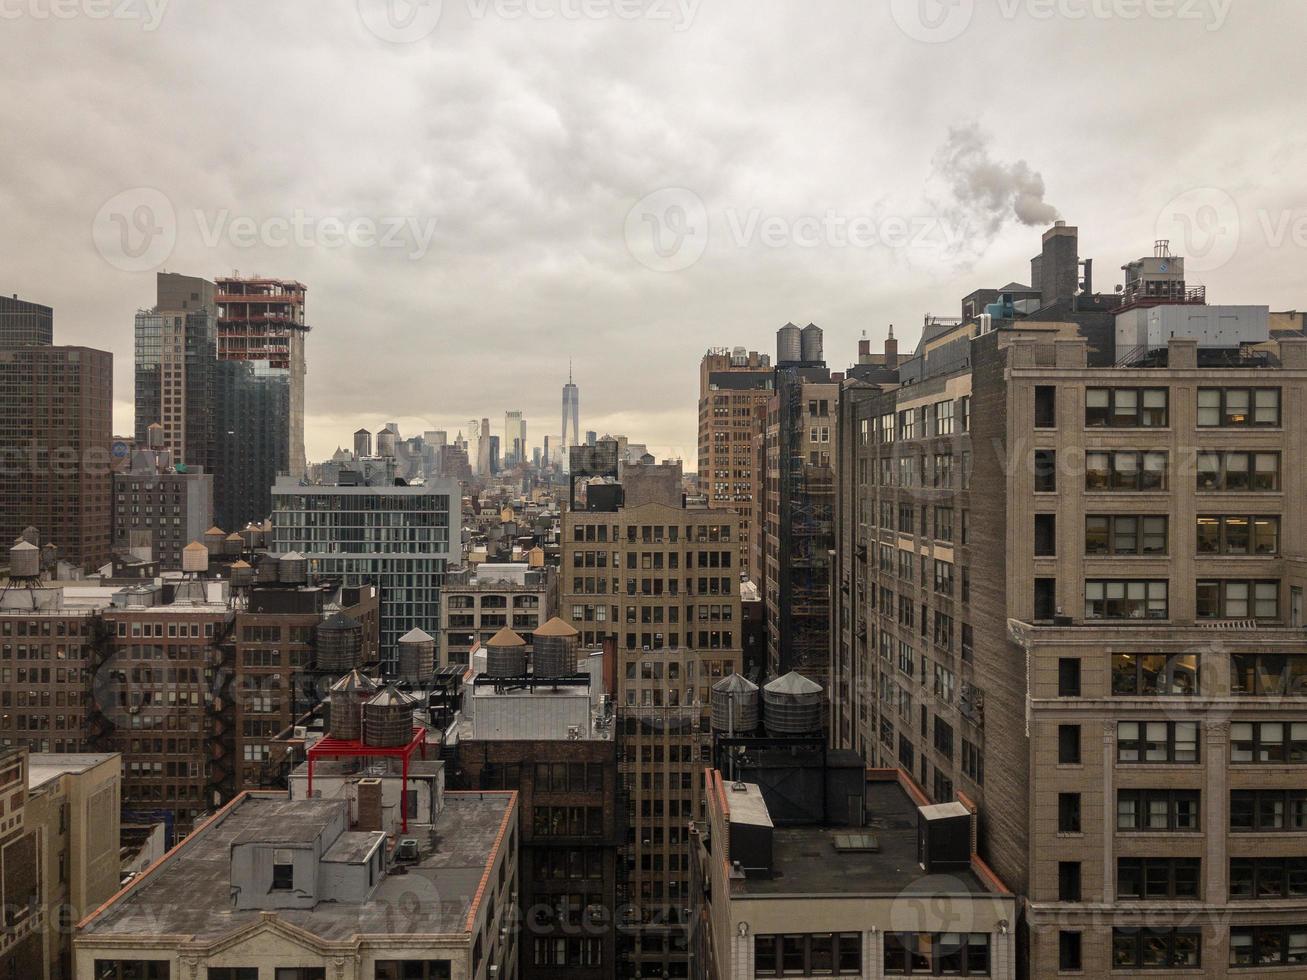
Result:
{"points": [[385, 443], [293, 569], [734, 703], [553, 653], [242, 574], [339, 643], [793, 705], [24, 560], [266, 571], [252, 537], [506, 654], [347, 697], [388, 718], [810, 343], [417, 656], [195, 558], [213, 539], [789, 344], [232, 544]]}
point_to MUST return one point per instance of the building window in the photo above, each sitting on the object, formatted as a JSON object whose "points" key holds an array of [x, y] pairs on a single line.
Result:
{"points": [[1045, 535], [937, 954], [1068, 881], [1068, 813], [131, 970], [1262, 810], [283, 872], [1157, 810], [1268, 674], [1268, 945], [1125, 470], [1045, 471], [1267, 878], [1237, 471], [1045, 407], [811, 954], [1107, 534], [1135, 674], [1237, 599], [1268, 742], [233, 973], [1126, 408], [1157, 741], [1125, 599], [1238, 407], [1158, 878], [1068, 745], [1068, 677], [1241, 535], [1156, 949], [1068, 951]]}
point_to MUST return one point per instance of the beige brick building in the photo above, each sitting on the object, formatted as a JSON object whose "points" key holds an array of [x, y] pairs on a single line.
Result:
{"points": [[661, 582], [1071, 574]]}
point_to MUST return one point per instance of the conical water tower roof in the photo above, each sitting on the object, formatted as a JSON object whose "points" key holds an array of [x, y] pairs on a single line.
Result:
{"points": [[355, 680], [416, 635], [338, 621], [555, 627], [390, 695], [793, 683], [506, 638], [735, 684]]}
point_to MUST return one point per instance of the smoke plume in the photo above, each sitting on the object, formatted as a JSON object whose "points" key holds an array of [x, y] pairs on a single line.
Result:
{"points": [[985, 193]]}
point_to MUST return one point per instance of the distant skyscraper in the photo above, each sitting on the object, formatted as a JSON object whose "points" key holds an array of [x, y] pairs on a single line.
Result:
{"points": [[176, 353], [56, 414], [23, 324], [514, 445], [571, 417], [483, 449], [591, 437], [262, 320]]}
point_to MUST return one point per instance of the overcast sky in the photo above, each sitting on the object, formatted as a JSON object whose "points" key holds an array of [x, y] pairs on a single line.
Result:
{"points": [[627, 182]]}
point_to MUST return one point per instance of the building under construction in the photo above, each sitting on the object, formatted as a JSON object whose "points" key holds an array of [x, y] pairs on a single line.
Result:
{"points": [[262, 320]]}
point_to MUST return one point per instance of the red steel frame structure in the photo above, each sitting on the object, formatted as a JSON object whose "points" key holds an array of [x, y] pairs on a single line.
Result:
{"points": [[340, 748]]}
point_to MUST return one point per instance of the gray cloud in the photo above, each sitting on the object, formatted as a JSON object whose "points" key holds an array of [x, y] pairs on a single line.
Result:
{"points": [[528, 141]]}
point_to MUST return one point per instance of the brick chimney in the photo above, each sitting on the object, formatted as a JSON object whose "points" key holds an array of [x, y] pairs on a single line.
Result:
{"points": [[369, 804], [864, 349], [891, 350]]}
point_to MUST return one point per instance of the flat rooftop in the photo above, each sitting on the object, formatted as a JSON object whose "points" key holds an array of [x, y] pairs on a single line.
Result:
{"points": [[188, 893], [42, 767], [805, 860]]}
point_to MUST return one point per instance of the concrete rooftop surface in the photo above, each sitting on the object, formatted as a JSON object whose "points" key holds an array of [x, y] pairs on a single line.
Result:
{"points": [[189, 894], [805, 861]]}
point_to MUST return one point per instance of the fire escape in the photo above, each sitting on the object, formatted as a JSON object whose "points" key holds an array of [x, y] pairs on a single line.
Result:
{"points": [[220, 711]]}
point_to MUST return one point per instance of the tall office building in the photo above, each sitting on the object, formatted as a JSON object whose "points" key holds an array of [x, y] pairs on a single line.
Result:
{"points": [[24, 324], [250, 449], [176, 349], [367, 531], [1071, 589], [799, 531], [571, 417], [484, 449], [732, 384], [514, 446], [262, 320], [56, 426], [658, 580]]}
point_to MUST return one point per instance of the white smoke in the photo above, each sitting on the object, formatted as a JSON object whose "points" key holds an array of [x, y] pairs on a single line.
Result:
{"points": [[985, 193]]}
